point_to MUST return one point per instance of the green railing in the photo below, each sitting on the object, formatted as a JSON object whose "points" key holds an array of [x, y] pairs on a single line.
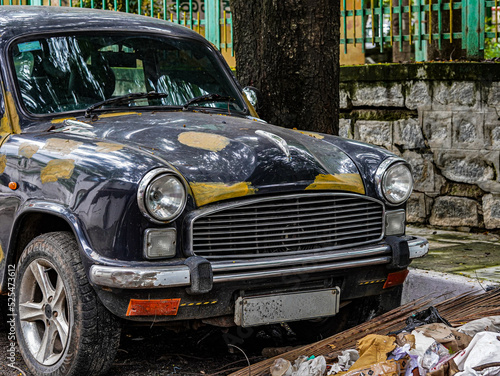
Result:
{"points": [[210, 18], [376, 19]]}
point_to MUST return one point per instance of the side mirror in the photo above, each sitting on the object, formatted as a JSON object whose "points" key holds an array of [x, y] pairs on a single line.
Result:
{"points": [[254, 96]]}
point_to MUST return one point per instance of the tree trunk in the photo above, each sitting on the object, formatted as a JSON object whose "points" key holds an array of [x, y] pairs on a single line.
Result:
{"points": [[289, 49]]}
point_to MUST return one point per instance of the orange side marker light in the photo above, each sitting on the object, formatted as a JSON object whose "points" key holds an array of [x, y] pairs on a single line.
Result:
{"points": [[396, 278], [13, 185], [159, 307]]}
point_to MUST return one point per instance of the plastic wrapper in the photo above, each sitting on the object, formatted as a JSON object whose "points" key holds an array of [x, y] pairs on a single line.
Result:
{"points": [[486, 324], [428, 316], [481, 357]]}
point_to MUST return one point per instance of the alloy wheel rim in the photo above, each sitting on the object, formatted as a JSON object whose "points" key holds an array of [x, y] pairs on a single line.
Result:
{"points": [[44, 312]]}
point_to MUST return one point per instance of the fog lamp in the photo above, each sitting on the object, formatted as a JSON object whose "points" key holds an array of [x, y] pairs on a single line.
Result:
{"points": [[395, 222], [160, 243]]}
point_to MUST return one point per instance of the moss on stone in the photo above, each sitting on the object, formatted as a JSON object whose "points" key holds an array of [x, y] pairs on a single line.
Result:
{"points": [[435, 71]]}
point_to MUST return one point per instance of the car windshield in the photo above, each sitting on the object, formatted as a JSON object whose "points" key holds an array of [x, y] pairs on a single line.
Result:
{"points": [[72, 72]]}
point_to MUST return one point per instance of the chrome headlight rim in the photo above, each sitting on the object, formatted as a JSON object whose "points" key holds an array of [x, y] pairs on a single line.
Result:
{"points": [[145, 182], [381, 173]]}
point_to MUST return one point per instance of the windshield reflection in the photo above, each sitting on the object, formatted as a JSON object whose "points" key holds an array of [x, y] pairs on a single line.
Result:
{"points": [[72, 72]]}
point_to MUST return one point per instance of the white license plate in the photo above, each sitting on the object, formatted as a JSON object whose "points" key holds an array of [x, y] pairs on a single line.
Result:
{"points": [[270, 309]]}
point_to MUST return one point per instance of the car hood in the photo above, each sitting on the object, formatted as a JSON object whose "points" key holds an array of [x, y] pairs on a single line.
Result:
{"points": [[223, 157]]}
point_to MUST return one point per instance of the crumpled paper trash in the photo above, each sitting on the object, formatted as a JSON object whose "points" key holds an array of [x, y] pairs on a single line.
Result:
{"points": [[345, 361], [303, 366]]}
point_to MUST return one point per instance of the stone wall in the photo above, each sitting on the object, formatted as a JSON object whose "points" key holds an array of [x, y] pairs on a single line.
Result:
{"points": [[444, 119]]}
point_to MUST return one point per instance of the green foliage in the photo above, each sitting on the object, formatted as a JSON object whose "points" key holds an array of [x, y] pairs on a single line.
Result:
{"points": [[491, 46]]}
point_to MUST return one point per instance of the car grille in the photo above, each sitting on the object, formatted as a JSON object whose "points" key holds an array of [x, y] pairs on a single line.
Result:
{"points": [[287, 225]]}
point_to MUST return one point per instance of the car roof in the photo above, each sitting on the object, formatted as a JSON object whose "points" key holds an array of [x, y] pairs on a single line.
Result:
{"points": [[19, 20]]}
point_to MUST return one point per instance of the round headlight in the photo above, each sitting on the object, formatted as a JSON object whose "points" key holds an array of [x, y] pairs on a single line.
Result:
{"points": [[397, 183], [161, 197]]}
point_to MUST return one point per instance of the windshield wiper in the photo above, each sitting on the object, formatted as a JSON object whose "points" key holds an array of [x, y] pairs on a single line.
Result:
{"points": [[207, 98], [124, 99]]}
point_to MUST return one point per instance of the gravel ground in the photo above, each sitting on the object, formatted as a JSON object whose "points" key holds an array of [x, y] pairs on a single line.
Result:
{"points": [[147, 351]]}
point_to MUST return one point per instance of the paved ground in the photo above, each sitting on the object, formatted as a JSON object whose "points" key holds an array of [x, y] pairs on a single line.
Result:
{"points": [[457, 262]]}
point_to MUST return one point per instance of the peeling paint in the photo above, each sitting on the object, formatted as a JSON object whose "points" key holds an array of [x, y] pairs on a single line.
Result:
{"points": [[3, 163], [115, 114], [58, 121], [107, 147], [341, 182], [27, 150], [205, 193], [205, 141], [312, 134], [57, 169], [59, 145], [11, 117]]}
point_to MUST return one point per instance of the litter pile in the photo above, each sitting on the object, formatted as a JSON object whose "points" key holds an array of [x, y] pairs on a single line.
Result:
{"points": [[460, 337]]}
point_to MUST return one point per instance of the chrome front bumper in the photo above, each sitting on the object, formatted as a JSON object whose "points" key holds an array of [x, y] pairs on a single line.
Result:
{"points": [[180, 275]]}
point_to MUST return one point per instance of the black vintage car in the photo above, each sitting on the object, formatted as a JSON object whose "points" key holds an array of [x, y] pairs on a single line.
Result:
{"points": [[137, 183]]}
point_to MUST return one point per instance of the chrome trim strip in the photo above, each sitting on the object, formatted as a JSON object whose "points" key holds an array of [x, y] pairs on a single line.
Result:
{"points": [[140, 277], [300, 270], [225, 266]]}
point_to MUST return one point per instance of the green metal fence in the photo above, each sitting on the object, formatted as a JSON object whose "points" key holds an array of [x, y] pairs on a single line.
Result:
{"points": [[210, 18], [375, 20]]}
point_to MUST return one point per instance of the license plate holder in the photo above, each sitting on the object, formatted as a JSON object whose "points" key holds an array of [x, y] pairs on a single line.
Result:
{"points": [[276, 308]]}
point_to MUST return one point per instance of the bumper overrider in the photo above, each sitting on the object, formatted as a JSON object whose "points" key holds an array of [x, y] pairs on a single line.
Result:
{"points": [[199, 275]]}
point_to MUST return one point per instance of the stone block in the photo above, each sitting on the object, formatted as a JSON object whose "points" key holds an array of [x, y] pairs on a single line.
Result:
{"points": [[494, 94], [344, 97], [491, 211], [472, 167], [451, 211], [457, 93], [408, 134], [374, 132], [345, 128], [415, 208], [375, 95], [492, 130], [467, 130], [419, 95], [436, 126], [423, 170]]}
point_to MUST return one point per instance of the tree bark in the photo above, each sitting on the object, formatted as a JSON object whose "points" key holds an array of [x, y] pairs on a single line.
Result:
{"points": [[289, 49]]}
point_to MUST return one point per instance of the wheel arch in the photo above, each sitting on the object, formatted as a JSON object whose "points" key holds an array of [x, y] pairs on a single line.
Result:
{"points": [[35, 218]]}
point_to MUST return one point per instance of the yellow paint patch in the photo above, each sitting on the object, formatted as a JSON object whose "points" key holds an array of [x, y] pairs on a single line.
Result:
{"points": [[11, 112], [340, 182], [205, 193], [3, 163], [1, 253], [107, 147], [115, 114], [312, 134], [205, 141], [27, 150], [57, 169], [57, 121], [59, 145]]}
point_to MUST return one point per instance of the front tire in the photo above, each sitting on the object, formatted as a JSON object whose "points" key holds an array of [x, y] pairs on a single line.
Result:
{"points": [[61, 326]]}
